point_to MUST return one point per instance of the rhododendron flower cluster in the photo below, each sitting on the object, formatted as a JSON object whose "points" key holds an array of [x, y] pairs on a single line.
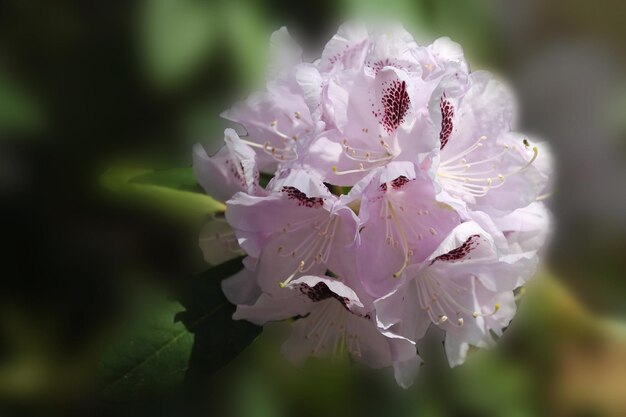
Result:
{"points": [[400, 199]]}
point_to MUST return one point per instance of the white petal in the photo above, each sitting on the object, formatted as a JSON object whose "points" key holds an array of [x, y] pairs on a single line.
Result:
{"points": [[456, 350], [241, 288]]}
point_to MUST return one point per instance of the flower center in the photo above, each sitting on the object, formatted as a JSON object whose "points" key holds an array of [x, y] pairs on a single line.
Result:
{"points": [[329, 329], [315, 248], [402, 228], [439, 299]]}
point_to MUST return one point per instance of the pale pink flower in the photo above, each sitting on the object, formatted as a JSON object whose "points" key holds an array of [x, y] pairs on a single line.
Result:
{"points": [[333, 321], [480, 162], [443, 219], [401, 224], [231, 169], [465, 287], [242, 288], [299, 228], [272, 122], [526, 229], [374, 89]]}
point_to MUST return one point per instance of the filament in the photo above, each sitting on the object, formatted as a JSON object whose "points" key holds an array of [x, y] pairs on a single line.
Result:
{"points": [[434, 298], [314, 249], [456, 177]]}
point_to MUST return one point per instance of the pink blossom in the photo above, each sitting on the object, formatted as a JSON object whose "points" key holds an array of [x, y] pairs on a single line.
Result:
{"points": [[464, 287], [333, 321], [402, 223], [480, 162], [401, 198], [299, 228], [233, 168]]}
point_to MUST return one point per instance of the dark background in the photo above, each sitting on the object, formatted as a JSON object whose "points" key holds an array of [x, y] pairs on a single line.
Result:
{"points": [[88, 85]]}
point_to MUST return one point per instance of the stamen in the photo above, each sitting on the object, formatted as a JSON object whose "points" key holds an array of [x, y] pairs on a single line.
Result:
{"points": [[279, 154], [429, 285], [404, 241], [525, 167], [284, 283], [315, 248], [469, 150], [361, 168], [545, 196], [458, 179], [364, 156], [274, 126], [496, 308]]}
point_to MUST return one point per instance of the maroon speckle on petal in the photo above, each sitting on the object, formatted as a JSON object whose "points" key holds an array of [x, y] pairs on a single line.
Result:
{"points": [[236, 170], [380, 194], [318, 292], [294, 194], [461, 252], [399, 182], [321, 292], [377, 66], [350, 52], [395, 103], [447, 113]]}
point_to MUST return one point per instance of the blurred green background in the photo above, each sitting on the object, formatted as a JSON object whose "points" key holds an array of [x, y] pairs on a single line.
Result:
{"points": [[93, 267]]}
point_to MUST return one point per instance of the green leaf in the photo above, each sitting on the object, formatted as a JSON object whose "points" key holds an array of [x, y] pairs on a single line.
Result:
{"points": [[176, 37], [189, 205], [169, 341], [151, 355], [177, 178], [265, 179], [208, 315]]}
